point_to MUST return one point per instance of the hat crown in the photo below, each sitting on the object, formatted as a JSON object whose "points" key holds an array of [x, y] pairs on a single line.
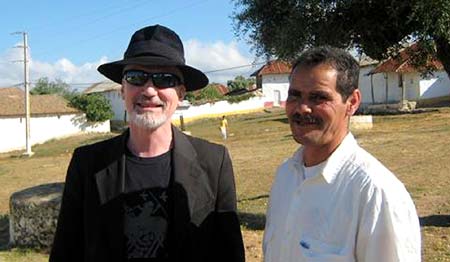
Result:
{"points": [[157, 41], [155, 45]]}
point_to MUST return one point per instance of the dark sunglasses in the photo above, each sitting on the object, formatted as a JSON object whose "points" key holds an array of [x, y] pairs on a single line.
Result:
{"points": [[159, 80]]}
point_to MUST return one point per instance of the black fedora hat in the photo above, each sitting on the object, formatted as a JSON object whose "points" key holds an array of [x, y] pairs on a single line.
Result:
{"points": [[155, 46]]}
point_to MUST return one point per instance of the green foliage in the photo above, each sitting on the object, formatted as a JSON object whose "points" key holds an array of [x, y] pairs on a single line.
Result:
{"points": [[205, 95], [240, 82], [211, 94], [95, 106], [44, 87], [378, 28], [239, 98]]}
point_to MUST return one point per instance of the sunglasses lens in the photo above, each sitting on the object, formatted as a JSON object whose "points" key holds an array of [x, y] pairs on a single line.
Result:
{"points": [[136, 78], [160, 80], [164, 80]]}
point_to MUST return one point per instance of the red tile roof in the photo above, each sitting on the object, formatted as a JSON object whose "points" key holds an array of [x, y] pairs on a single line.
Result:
{"points": [[221, 88], [12, 104], [273, 67], [403, 64]]}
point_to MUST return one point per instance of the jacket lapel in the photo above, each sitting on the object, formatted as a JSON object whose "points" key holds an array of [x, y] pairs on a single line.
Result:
{"points": [[110, 183], [192, 191]]}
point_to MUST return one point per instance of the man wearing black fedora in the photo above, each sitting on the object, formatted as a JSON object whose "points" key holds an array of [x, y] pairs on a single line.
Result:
{"points": [[152, 193]]}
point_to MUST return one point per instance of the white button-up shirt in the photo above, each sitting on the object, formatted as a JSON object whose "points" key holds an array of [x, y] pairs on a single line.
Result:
{"points": [[348, 208]]}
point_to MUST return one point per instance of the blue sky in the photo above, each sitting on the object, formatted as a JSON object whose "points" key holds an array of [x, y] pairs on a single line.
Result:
{"points": [[69, 39]]}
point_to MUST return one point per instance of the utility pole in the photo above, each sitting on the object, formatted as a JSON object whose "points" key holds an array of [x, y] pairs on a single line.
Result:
{"points": [[27, 93]]}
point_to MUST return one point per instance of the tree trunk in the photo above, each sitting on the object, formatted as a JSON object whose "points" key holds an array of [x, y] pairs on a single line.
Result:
{"points": [[443, 52]]}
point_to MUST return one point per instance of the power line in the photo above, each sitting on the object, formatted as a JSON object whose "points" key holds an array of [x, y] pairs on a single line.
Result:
{"points": [[118, 7], [127, 26], [234, 67]]}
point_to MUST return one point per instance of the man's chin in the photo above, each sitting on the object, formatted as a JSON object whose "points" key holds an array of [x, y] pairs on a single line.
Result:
{"points": [[148, 121], [306, 138]]}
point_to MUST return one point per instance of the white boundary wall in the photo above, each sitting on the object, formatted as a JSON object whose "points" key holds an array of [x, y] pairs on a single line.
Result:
{"points": [[220, 108], [44, 128]]}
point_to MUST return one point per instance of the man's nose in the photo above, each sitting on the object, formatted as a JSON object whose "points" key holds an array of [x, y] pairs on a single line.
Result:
{"points": [[303, 106], [149, 88]]}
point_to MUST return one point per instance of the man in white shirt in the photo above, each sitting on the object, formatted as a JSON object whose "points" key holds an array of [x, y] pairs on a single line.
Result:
{"points": [[332, 200]]}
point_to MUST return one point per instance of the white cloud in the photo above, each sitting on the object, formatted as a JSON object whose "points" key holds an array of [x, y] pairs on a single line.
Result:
{"points": [[11, 73], [218, 56], [68, 72], [204, 56]]}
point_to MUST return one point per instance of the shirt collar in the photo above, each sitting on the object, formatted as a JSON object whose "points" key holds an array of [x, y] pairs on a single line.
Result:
{"points": [[334, 162], [339, 158]]}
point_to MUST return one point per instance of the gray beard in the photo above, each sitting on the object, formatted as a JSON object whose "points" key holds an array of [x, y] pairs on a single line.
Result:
{"points": [[147, 120]]}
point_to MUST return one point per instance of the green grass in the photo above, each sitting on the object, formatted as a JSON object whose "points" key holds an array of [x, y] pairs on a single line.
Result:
{"points": [[415, 147]]}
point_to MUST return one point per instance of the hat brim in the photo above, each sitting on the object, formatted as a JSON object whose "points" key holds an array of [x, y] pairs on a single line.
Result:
{"points": [[194, 79]]}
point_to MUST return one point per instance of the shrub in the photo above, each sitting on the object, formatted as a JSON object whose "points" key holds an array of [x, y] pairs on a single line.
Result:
{"points": [[95, 106]]}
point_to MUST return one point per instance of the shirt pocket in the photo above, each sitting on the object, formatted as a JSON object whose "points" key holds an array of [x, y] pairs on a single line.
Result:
{"points": [[314, 250]]}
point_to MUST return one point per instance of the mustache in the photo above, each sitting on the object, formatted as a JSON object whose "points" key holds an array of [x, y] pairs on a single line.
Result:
{"points": [[306, 119], [142, 99]]}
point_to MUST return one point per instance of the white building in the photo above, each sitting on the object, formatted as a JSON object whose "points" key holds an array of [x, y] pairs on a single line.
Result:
{"points": [[50, 118], [273, 79], [395, 80], [111, 91]]}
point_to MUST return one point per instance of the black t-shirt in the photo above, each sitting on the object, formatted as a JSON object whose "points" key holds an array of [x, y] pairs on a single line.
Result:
{"points": [[146, 207]]}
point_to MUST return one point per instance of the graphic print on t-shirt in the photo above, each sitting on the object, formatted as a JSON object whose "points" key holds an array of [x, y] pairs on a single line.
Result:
{"points": [[146, 223]]}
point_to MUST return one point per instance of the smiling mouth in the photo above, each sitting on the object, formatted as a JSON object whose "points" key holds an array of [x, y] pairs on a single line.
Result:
{"points": [[148, 105]]}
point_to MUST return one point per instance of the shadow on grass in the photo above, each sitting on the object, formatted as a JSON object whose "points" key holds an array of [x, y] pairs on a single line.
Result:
{"points": [[4, 232], [253, 198], [252, 221], [435, 221], [282, 119]]}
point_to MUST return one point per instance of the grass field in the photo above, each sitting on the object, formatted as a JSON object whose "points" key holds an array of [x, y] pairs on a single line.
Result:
{"points": [[415, 147]]}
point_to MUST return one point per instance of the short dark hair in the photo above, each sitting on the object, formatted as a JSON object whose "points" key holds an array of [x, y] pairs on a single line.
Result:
{"points": [[346, 66]]}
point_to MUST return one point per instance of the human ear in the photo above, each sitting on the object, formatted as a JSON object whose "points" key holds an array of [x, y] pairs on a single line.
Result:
{"points": [[353, 102], [181, 93], [121, 93]]}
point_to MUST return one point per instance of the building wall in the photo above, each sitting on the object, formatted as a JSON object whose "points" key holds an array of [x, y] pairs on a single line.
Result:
{"points": [[379, 87], [218, 109], [273, 84], [365, 85], [44, 128], [416, 87], [117, 104], [436, 86]]}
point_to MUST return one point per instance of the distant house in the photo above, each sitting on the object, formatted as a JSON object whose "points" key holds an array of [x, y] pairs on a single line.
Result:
{"points": [[50, 118], [273, 79], [399, 79], [111, 91]]}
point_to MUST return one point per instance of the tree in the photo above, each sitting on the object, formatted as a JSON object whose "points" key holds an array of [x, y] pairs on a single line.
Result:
{"points": [[44, 87], [240, 82], [378, 28], [96, 107], [208, 94]]}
